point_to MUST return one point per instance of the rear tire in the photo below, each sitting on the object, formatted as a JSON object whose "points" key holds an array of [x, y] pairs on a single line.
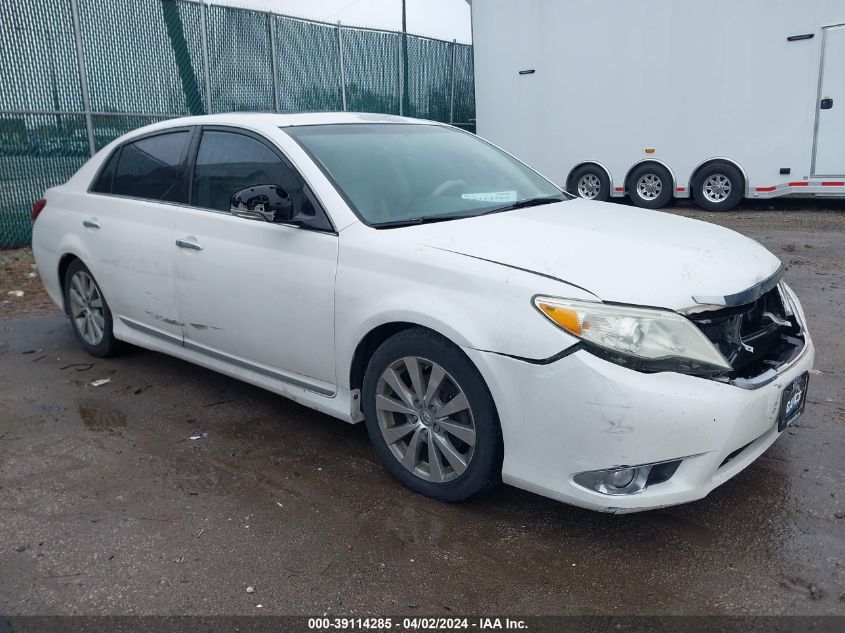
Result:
{"points": [[431, 418], [650, 186], [89, 312], [718, 187], [590, 182]]}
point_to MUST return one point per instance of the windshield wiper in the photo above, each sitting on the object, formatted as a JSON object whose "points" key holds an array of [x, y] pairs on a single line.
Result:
{"points": [[431, 219], [522, 204], [426, 219]]}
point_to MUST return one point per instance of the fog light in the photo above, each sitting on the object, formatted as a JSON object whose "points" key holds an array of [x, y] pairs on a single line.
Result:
{"points": [[621, 478], [627, 480]]}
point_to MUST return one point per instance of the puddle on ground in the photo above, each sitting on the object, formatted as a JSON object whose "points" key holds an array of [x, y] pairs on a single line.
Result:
{"points": [[98, 415]]}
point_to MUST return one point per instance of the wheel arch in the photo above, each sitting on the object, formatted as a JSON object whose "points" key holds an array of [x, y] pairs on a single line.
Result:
{"points": [[368, 345], [371, 341], [64, 263], [720, 159], [655, 161], [584, 163]]}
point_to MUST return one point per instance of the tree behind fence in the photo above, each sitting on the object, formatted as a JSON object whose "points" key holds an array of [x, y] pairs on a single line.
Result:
{"points": [[78, 73]]}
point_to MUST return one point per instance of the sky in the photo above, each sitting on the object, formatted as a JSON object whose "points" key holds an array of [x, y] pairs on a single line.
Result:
{"points": [[443, 19]]}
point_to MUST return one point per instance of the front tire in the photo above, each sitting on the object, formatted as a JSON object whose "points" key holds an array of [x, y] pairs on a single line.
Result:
{"points": [[431, 418], [718, 187], [89, 312], [650, 186]]}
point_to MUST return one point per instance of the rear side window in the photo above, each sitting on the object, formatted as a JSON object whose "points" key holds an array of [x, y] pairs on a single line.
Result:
{"points": [[104, 180], [150, 168], [228, 162]]}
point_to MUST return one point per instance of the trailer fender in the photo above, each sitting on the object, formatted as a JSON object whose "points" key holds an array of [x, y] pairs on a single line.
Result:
{"points": [[720, 159], [658, 162], [584, 163]]}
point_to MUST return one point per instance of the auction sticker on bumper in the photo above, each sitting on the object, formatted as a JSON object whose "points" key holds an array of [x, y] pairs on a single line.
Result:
{"points": [[792, 401]]}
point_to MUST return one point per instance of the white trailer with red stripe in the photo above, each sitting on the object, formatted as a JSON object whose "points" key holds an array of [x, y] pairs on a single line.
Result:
{"points": [[658, 99]]}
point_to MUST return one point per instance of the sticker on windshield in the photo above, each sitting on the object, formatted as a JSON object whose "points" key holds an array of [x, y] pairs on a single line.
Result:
{"points": [[491, 196]]}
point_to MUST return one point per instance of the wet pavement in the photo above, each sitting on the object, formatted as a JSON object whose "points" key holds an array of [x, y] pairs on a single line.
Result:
{"points": [[107, 507]]}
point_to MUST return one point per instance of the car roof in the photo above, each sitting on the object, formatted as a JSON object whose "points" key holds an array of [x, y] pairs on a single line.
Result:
{"points": [[268, 119]]}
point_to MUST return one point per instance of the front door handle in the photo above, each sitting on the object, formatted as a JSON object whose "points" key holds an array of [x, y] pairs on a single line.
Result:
{"points": [[90, 224], [826, 104], [189, 245]]}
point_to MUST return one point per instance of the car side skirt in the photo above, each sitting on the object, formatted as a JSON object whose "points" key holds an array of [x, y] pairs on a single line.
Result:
{"points": [[337, 402]]}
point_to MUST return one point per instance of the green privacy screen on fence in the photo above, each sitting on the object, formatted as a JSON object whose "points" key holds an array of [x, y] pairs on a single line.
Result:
{"points": [[77, 74]]}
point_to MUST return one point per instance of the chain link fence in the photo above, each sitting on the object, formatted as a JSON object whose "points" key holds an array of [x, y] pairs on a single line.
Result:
{"points": [[77, 74]]}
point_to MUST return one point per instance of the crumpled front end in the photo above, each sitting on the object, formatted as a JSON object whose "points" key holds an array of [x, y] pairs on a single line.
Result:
{"points": [[758, 337], [569, 422]]}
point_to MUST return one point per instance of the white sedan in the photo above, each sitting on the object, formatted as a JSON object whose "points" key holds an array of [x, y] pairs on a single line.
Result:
{"points": [[485, 325]]}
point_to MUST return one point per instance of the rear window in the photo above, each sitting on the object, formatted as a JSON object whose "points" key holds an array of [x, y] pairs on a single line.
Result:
{"points": [[151, 167]]}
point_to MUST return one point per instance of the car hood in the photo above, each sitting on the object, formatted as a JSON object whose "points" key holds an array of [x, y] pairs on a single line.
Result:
{"points": [[618, 253]]}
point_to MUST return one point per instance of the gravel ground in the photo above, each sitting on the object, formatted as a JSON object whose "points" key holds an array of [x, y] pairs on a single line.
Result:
{"points": [[107, 508], [21, 292]]}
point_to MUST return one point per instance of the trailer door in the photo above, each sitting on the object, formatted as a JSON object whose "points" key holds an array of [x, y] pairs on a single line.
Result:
{"points": [[829, 156]]}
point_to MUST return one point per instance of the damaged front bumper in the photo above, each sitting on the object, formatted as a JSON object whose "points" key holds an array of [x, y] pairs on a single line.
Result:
{"points": [[582, 414]]}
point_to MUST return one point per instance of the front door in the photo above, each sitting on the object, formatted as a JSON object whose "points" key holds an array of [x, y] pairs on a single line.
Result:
{"points": [[253, 293], [829, 158]]}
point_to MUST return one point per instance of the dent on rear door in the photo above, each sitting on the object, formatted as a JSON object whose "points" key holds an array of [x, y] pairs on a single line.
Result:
{"points": [[133, 250]]}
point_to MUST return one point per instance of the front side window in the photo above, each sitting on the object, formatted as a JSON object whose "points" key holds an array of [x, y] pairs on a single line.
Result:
{"points": [[394, 173], [150, 168], [229, 162]]}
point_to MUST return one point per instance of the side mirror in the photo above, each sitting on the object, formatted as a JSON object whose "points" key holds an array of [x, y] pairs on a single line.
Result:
{"points": [[269, 203]]}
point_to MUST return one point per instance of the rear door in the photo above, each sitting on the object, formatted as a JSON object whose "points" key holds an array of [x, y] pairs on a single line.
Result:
{"points": [[255, 294], [130, 230], [829, 157]]}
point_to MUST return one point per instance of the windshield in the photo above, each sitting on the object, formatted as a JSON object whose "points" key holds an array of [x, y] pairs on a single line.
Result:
{"points": [[395, 174]]}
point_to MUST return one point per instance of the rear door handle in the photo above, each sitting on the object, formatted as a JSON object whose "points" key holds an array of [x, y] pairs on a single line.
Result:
{"points": [[90, 224], [826, 104], [189, 245]]}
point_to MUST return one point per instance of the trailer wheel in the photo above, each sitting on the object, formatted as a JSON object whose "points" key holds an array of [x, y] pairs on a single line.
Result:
{"points": [[590, 182], [650, 185], [718, 187]]}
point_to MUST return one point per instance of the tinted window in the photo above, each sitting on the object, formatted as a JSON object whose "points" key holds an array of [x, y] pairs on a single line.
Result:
{"points": [[149, 168], [104, 181], [228, 162]]}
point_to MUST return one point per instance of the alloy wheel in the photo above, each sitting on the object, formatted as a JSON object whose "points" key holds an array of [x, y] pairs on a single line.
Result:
{"points": [[425, 419], [589, 186], [717, 188], [86, 308], [649, 186]]}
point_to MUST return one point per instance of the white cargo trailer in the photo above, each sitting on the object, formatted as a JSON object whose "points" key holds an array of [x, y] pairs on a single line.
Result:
{"points": [[656, 99]]}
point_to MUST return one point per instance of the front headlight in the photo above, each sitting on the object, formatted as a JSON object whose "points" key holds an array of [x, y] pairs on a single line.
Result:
{"points": [[640, 338]]}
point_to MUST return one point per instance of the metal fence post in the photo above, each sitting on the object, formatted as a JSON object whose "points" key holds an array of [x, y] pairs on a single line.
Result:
{"points": [[452, 92], [342, 66], [83, 77], [277, 103], [400, 75], [206, 74]]}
